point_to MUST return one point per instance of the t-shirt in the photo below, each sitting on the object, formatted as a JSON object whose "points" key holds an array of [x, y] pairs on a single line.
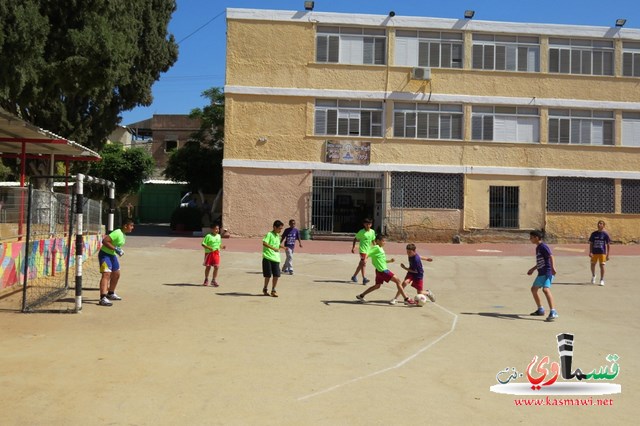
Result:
{"points": [[415, 263], [273, 240], [599, 239], [290, 235], [213, 241], [365, 238], [543, 260], [117, 238], [378, 258]]}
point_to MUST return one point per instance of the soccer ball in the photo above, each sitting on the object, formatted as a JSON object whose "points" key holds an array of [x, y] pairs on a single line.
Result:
{"points": [[420, 299]]}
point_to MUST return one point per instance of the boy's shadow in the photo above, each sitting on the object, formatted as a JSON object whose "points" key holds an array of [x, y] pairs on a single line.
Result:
{"points": [[499, 315], [379, 303], [335, 281]]}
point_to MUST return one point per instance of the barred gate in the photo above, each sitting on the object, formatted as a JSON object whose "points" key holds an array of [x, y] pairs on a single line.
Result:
{"points": [[331, 203]]}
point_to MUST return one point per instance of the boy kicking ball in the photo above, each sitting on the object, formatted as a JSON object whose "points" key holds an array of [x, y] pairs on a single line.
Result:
{"points": [[415, 274], [383, 275], [546, 271]]}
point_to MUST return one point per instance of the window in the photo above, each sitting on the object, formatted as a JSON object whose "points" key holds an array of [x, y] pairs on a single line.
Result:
{"points": [[631, 59], [426, 190], [504, 206], [428, 49], [427, 121], [506, 53], [351, 45], [631, 128], [580, 195], [576, 56], [570, 126], [630, 196], [170, 145], [348, 118], [505, 124]]}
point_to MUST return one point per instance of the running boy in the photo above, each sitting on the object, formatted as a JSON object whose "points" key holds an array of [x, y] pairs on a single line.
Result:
{"points": [[271, 258], [383, 275], [290, 236], [212, 243], [364, 237], [599, 245], [415, 274], [546, 272]]}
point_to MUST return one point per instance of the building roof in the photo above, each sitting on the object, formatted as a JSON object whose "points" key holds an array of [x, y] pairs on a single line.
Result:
{"points": [[16, 133]]}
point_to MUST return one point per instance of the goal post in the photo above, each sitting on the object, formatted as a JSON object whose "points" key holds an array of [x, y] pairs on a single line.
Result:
{"points": [[81, 179]]}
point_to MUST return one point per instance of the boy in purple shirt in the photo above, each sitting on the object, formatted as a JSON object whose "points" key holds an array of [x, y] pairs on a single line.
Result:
{"points": [[415, 274], [290, 236], [546, 271], [599, 244]]}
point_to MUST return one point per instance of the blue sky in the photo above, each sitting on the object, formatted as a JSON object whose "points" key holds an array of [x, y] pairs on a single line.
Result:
{"points": [[199, 27]]}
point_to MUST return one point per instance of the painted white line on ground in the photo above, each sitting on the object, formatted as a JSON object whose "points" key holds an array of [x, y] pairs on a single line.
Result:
{"points": [[489, 251], [393, 367]]}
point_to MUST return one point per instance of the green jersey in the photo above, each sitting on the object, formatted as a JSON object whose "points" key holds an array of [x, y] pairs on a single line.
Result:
{"points": [[273, 240], [117, 238], [365, 238], [378, 258], [213, 241]]}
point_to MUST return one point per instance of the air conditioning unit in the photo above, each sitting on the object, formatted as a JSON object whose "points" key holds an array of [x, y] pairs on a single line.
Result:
{"points": [[421, 73]]}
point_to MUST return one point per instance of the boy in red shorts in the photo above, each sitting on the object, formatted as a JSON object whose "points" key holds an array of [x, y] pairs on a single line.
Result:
{"points": [[212, 243], [383, 275], [415, 274]]}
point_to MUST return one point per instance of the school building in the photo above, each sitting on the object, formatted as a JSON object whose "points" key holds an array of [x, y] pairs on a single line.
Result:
{"points": [[436, 128]]}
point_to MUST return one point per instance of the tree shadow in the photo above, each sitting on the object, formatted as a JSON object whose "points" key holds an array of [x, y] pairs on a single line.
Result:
{"points": [[499, 315]]}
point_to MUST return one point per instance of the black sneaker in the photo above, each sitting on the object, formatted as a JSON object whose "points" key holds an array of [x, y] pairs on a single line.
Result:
{"points": [[538, 313]]}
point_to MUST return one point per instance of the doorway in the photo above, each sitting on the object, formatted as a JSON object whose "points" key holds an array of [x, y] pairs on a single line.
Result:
{"points": [[341, 200]]}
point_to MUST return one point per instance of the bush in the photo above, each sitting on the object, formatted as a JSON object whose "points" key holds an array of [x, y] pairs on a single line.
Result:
{"points": [[186, 219]]}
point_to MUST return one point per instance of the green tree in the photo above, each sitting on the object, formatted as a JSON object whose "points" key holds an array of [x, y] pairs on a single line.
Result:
{"points": [[72, 66], [199, 162], [127, 168]]}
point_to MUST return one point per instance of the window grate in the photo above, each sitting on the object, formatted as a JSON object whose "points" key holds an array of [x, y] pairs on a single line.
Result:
{"points": [[631, 196], [580, 195], [426, 190], [504, 204]]}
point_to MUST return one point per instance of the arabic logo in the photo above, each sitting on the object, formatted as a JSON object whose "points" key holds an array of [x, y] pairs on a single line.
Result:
{"points": [[541, 374]]}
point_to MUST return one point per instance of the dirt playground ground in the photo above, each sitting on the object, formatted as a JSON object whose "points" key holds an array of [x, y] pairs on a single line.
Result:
{"points": [[176, 353]]}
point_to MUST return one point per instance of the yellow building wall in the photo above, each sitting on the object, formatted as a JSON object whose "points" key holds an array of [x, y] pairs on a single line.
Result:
{"points": [[576, 227], [531, 202], [254, 198]]}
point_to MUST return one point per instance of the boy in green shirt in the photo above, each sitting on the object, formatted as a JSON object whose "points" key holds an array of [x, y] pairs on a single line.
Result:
{"points": [[365, 237], [383, 275], [109, 264], [271, 258], [212, 242]]}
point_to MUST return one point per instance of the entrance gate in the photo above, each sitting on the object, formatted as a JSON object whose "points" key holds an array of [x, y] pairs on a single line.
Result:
{"points": [[340, 200]]}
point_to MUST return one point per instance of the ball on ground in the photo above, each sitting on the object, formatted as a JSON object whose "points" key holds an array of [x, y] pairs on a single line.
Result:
{"points": [[420, 299]]}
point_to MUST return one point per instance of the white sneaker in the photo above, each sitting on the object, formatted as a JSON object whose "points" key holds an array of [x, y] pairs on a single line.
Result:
{"points": [[113, 296], [393, 301], [601, 282], [593, 279], [104, 301], [431, 296]]}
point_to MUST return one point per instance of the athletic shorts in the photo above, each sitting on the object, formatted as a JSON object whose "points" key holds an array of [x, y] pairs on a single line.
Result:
{"points": [[384, 276], [598, 258], [543, 281], [108, 262], [212, 258], [270, 268], [415, 283]]}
